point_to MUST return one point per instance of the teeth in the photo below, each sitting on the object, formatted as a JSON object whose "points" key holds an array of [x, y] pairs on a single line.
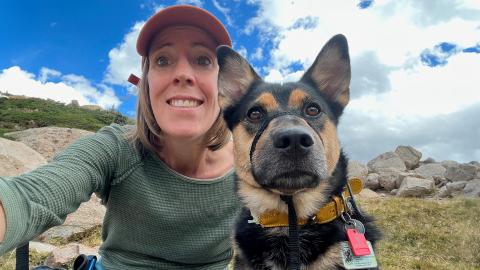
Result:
{"points": [[185, 103]]}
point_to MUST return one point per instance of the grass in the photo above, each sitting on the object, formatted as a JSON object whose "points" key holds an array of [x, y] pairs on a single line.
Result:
{"points": [[427, 234], [19, 114], [418, 234]]}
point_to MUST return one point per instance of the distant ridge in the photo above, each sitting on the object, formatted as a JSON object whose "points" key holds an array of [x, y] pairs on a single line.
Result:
{"points": [[21, 112]]}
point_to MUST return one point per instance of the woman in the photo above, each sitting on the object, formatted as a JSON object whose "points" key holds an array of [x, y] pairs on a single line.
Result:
{"points": [[167, 183]]}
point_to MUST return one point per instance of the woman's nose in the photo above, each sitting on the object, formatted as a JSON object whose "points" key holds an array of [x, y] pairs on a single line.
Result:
{"points": [[183, 73]]}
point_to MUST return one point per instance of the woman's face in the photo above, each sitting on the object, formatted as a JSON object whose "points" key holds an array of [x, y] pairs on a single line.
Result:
{"points": [[182, 78]]}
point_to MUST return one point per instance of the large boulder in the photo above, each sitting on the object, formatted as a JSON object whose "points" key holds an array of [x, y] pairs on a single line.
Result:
{"points": [[461, 172], [455, 188], [409, 155], [472, 188], [386, 162], [389, 180], [372, 181], [63, 256], [433, 170], [416, 187], [87, 217], [17, 158], [48, 141], [368, 194], [357, 169]]}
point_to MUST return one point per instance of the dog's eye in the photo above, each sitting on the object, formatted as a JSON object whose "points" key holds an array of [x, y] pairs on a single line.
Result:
{"points": [[255, 114], [312, 110]]}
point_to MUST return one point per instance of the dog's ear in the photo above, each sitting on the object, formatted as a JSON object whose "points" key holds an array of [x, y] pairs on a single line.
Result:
{"points": [[235, 76], [331, 71]]}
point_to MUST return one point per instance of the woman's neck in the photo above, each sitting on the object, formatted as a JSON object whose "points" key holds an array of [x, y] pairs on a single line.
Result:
{"points": [[193, 159]]}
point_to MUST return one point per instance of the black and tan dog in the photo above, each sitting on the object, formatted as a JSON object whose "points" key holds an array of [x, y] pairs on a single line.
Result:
{"points": [[289, 164]]}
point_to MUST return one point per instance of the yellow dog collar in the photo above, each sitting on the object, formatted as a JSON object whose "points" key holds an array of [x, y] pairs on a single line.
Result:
{"points": [[328, 213]]}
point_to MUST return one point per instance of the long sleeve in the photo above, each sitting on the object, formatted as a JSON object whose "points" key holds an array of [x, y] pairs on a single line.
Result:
{"points": [[42, 198]]}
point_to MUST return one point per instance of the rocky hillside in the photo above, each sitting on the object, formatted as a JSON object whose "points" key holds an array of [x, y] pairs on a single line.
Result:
{"points": [[403, 173], [19, 113]]}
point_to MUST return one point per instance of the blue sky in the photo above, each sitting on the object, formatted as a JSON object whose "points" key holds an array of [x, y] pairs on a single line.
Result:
{"points": [[414, 62]]}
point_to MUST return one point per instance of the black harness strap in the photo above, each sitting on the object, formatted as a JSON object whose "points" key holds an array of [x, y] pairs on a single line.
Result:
{"points": [[293, 235], [21, 261]]}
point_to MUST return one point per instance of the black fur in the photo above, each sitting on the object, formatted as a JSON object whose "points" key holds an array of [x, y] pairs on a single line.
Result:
{"points": [[326, 83]]}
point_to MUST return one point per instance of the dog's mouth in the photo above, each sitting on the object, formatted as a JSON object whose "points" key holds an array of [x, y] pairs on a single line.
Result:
{"points": [[292, 182]]}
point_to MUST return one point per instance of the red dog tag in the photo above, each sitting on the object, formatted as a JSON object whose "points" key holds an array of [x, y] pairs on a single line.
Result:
{"points": [[358, 243]]}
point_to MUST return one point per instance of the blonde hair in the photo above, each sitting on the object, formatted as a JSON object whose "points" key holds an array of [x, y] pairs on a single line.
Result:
{"points": [[147, 136]]}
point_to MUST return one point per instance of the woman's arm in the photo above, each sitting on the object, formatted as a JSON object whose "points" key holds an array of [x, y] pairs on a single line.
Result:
{"points": [[2, 223], [42, 198]]}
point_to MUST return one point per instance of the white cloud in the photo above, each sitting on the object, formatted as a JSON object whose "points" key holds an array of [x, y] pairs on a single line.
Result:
{"points": [[70, 87], [225, 11], [258, 54], [197, 3], [242, 51], [124, 59], [45, 73], [393, 93]]}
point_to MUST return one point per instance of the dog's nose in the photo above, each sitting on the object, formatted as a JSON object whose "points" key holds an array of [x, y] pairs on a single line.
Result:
{"points": [[293, 141]]}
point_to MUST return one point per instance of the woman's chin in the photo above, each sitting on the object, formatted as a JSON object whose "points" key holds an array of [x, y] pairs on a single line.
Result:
{"points": [[185, 133]]}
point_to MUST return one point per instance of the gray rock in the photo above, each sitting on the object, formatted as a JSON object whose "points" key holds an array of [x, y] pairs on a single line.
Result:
{"points": [[428, 160], [456, 188], [88, 216], [368, 194], [372, 181], [409, 155], [449, 163], [443, 192], [476, 163], [17, 158], [388, 179], [416, 187], [462, 172], [48, 141], [357, 169], [472, 189], [41, 247], [386, 162], [61, 257], [433, 170], [394, 192]]}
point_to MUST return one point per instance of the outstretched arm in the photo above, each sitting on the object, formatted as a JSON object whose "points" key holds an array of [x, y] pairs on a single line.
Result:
{"points": [[2, 223]]}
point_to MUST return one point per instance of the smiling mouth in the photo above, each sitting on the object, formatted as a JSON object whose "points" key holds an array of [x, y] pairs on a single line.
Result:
{"points": [[184, 103]]}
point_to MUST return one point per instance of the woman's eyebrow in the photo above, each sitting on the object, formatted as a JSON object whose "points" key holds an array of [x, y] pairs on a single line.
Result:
{"points": [[161, 46], [201, 45]]}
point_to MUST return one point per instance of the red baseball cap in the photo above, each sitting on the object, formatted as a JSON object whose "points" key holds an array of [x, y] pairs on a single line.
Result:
{"points": [[181, 15]]}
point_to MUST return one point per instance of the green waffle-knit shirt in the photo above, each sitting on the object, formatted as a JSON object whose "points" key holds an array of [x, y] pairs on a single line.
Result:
{"points": [[156, 218]]}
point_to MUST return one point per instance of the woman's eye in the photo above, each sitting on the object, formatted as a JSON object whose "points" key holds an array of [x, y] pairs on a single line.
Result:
{"points": [[203, 60], [312, 110], [163, 61], [255, 114]]}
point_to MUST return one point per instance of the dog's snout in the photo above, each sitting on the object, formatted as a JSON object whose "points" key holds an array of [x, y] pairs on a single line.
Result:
{"points": [[294, 140]]}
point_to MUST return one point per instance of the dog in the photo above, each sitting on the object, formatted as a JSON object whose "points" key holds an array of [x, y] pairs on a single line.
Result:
{"points": [[291, 172]]}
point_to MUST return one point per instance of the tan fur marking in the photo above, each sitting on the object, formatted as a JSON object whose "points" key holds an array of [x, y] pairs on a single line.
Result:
{"points": [[242, 154], [268, 101], [343, 98], [296, 98], [329, 260], [331, 144]]}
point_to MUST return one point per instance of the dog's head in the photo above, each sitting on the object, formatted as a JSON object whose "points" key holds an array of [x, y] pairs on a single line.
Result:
{"points": [[285, 135]]}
